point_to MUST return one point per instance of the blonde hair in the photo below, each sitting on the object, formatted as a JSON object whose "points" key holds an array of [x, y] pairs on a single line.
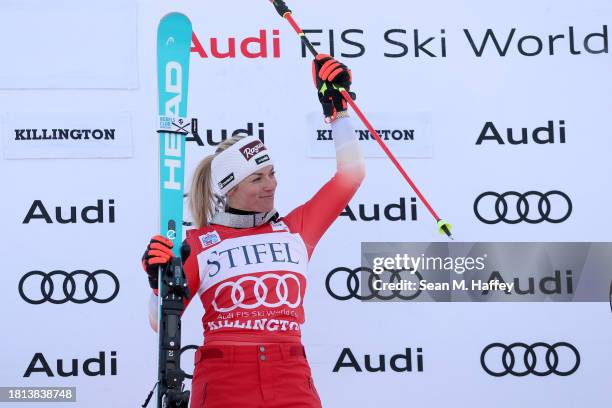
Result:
{"points": [[202, 200]]}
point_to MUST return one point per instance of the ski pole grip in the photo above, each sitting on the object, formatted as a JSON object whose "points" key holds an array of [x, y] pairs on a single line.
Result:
{"points": [[280, 7]]}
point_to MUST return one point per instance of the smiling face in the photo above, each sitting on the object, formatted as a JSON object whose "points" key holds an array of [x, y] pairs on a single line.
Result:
{"points": [[256, 192]]}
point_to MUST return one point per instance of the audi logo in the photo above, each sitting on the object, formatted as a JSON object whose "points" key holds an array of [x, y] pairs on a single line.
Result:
{"points": [[90, 285], [353, 284], [286, 294], [522, 210], [532, 361]]}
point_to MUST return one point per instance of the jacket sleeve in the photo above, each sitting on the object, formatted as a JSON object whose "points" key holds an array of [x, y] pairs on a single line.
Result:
{"points": [[315, 216]]}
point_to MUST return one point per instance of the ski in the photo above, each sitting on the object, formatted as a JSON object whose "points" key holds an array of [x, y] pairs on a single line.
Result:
{"points": [[173, 52]]}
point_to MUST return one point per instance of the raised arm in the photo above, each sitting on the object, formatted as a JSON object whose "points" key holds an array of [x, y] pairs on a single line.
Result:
{"points": [[315, 216]]}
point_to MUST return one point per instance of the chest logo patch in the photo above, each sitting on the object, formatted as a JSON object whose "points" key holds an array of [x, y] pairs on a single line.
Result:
{"points": [[279, 226], [210, 238]]}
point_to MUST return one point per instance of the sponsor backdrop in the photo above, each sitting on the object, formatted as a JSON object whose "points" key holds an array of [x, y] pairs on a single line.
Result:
{"points": [[499, 112]]}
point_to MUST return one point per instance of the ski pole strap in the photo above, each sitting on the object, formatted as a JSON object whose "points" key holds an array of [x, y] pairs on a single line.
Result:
{"points": [[280, 7]]}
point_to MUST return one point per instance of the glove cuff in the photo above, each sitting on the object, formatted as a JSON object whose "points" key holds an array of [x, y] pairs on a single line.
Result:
{"points": [[328, 109], [153, 282], [342, 114], [336, 115]]}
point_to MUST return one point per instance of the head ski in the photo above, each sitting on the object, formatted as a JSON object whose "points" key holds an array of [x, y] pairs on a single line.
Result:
{"points": [[173, 51]]}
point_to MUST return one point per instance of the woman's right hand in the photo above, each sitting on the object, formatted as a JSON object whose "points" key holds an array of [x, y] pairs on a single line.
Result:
{"points": [[330, 76], [158, 253]]}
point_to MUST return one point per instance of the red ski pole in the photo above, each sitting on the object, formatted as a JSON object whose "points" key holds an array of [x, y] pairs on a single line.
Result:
{"points": [[443, 226]]}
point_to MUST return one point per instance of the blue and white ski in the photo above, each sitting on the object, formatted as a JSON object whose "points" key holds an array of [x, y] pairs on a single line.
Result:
{"points": [[173, 52]]}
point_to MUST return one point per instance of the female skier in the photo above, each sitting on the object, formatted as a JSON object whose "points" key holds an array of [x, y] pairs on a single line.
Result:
{"points": [[248, 266]]}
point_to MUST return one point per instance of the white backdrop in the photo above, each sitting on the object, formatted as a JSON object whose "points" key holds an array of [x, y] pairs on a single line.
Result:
{"points": [[104, 67]]}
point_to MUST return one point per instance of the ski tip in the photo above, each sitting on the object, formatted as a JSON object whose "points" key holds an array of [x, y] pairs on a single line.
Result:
{"points": [[174, 27], [175, 15]]}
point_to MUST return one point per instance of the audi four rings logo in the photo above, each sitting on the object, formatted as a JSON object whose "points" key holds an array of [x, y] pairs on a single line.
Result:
{"points": [[532, 360], [90, 284], [289, 295], [524, 211], [353, 284]]}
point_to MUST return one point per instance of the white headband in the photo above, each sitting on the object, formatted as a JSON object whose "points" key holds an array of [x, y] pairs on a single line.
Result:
{"points": [[237, 162]]}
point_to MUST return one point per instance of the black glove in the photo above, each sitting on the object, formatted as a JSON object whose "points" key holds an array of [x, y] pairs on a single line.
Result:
{"points": [[330, 77], [158, 253]]}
